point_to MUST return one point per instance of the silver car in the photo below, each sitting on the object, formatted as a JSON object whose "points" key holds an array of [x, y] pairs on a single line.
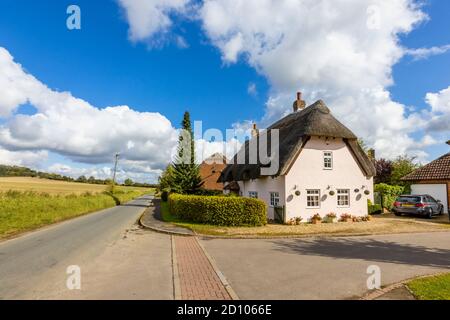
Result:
{"points": [[424, 205]]}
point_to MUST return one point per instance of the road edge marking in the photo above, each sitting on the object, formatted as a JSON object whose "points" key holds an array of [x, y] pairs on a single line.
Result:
{"points": [[221, 276], [175, 274]]}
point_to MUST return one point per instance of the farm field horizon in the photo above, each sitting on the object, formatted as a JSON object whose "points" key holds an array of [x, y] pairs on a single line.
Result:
{"points": [[53, 187]]}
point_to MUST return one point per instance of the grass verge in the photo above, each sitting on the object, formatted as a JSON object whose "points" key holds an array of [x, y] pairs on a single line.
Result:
{"points": [[24, 211], [378, 225], [431, 288]]}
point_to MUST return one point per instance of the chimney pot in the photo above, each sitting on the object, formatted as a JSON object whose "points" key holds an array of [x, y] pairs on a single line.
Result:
{"points": [[255, 130], [299, 104]]}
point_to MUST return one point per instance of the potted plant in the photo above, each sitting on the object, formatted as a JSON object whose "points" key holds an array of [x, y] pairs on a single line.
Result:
{"points": [[331, 217], [291, 222], [346, 217], [315, 219]]}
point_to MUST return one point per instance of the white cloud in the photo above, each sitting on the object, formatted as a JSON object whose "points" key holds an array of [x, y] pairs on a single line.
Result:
{"points": [[22, 158], [149, 18], [83, 133], [139, 172], [424, 53], [204, 149], [252, 90], [327, 50], [440, 111], [72, 127]]}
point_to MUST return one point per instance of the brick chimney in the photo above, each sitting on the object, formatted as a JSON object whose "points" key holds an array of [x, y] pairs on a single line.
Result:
{"points": [[255, 130], [299, 104]]}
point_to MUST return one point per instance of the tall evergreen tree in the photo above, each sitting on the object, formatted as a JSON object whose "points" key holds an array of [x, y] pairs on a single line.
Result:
{"points": [[186, 173]]}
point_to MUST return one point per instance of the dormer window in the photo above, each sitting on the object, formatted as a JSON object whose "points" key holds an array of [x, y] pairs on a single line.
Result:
{"points": [[328, 160]]}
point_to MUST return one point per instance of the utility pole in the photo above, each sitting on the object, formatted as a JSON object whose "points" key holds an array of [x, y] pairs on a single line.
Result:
{"points": [[114, 173]]}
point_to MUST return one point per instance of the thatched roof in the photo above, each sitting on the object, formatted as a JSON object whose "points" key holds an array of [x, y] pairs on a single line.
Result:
{"points": [[294, 131]]}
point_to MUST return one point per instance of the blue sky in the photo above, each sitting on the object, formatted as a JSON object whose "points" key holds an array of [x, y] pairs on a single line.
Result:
{"points": [[104, 66]]}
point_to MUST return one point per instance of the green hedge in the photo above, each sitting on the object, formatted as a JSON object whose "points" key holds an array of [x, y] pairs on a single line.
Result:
{"points": [[216, 210], [389, 193]]}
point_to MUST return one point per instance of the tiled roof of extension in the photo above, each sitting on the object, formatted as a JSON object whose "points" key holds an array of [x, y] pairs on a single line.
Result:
{"points": [[439, 169]]}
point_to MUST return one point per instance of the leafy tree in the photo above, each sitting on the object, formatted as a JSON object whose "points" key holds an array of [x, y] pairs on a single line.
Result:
{"points": [[363, 145], [186, 173], [388, 193], [384, 171], [82, 179], [128, 182], [165, 181], [91, 180], [402, 166]]}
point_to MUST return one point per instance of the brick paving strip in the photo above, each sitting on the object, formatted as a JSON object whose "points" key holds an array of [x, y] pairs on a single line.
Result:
{"points": [[196, 276]]}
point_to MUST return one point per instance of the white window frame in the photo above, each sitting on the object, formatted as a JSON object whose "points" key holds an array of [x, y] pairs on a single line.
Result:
{"points": [[274, 199], [343, 193], [310, 193], [328, 155], [253, 194]]}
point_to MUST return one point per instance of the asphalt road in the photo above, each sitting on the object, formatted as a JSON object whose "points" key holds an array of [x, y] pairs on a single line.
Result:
{"points": [[33, 264], [325, 268]]}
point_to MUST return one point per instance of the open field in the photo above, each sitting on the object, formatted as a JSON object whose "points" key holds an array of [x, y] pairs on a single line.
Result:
{"points": [[383, 224], [50, 186], [29, 203]]}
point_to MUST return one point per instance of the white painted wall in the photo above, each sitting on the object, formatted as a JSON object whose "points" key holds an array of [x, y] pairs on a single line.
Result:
{"points": [[437, 191], [264, 186], [308, 173]]}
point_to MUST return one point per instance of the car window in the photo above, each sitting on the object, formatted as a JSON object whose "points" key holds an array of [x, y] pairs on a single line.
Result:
{"points": [[408, 199], [431, 199]]}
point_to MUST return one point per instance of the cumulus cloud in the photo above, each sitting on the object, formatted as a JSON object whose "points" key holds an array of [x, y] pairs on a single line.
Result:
{"points": [[339, 51], [151, 18], [83, 133], [139, 172], [22, 158], [440, 111], [72, 127]]}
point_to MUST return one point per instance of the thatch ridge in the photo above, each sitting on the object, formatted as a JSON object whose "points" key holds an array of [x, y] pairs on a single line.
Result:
{"points": [[294, 130]]}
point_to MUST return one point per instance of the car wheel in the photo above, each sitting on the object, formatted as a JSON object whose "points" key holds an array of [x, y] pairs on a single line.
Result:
{"points": [[441, 211], [398, 214], [430, 213]]}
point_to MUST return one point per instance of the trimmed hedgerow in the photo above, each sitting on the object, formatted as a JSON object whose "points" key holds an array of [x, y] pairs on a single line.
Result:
{"points": [[221, 211]]}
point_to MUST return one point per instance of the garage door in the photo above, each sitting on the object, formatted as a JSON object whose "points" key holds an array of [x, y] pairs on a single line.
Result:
{"points": [[437, 191]]}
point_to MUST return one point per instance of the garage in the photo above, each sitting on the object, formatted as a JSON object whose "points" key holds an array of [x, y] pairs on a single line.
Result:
{"points": [[437, 191], [433, 179]]}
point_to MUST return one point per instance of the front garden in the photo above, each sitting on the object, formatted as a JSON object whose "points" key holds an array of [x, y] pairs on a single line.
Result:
{"points": [[250, 227]]}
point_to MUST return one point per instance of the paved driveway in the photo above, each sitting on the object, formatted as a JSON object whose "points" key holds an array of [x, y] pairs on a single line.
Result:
{"points": [[325, 268]]}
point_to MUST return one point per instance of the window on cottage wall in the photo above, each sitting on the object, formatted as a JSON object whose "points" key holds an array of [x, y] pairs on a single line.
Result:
{"points": [[343, 197], [313, 198], [253, 194], [328, 160], [274, 199]]}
